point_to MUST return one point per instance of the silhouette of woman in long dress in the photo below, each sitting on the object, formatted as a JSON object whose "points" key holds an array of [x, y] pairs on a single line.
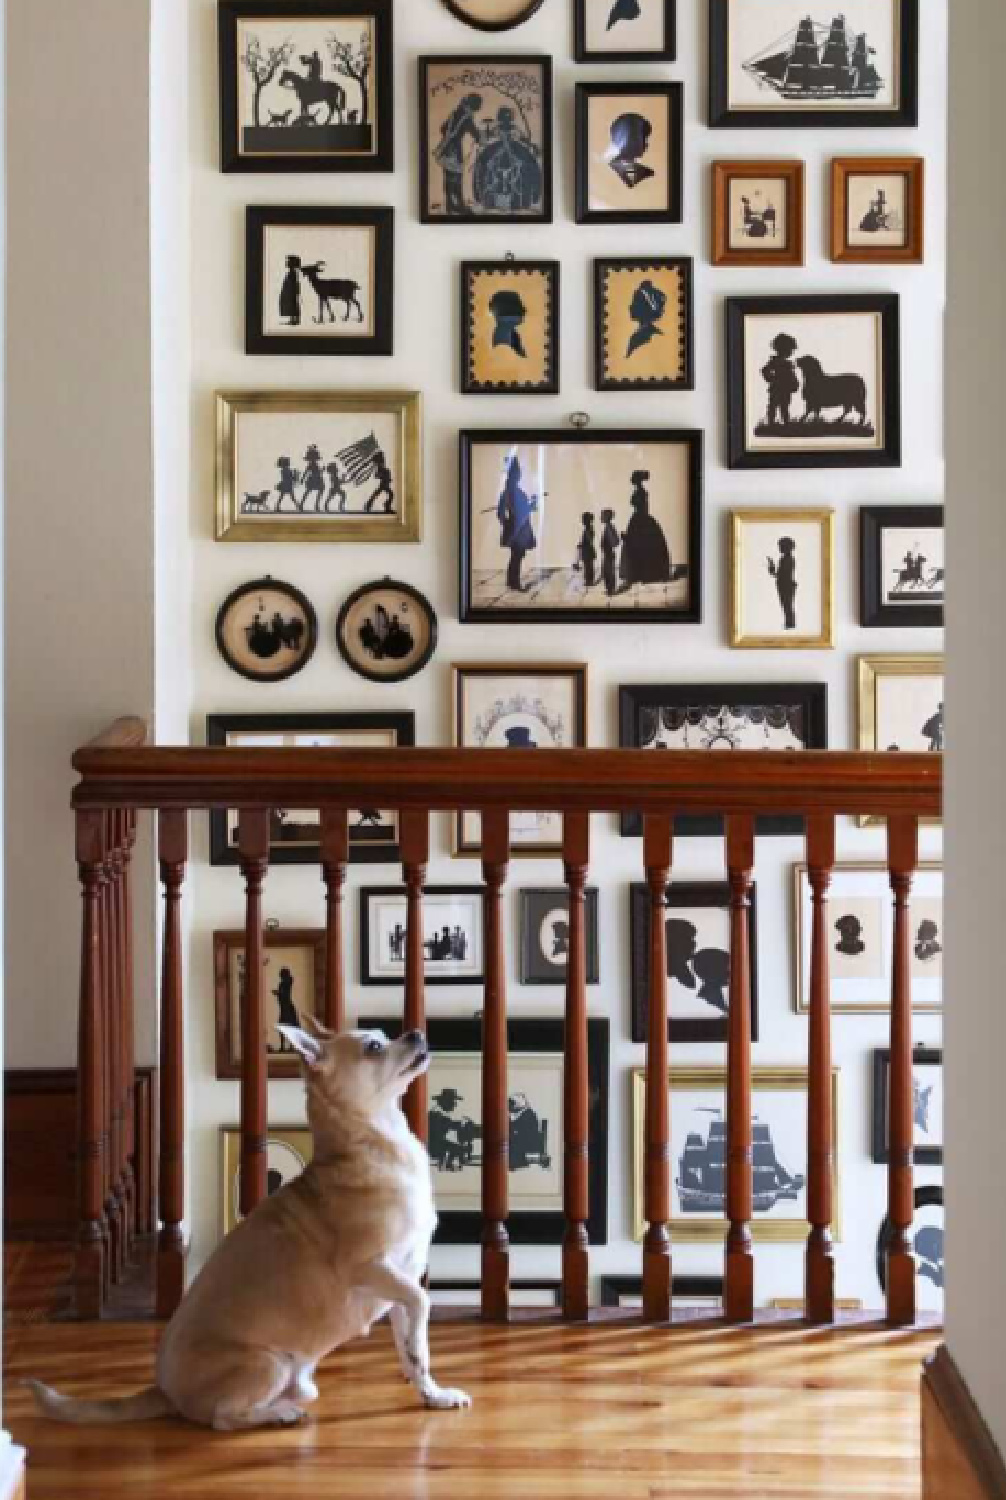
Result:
{"points": [[514, 511], [783, 571], [646, 557], [289, 292]]}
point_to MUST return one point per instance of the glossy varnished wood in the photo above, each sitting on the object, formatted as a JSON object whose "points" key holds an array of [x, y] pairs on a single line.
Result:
{"points": [[172, 849], [576, 1178], [414, 837], [820, 1286], [903, 859], [738, 1291], [657, 845], [561, 1413], [495, 1115], [253, 848]]}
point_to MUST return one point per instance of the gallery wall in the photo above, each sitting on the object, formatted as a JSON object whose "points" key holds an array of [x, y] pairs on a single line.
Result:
{"points": [[426, 358]]}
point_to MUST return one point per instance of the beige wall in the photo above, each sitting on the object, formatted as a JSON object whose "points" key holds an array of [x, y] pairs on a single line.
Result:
{"points": [[80, 526], [976, 993]]}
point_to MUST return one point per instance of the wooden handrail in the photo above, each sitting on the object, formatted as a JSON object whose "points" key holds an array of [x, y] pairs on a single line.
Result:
{"points": [[122, 734]]}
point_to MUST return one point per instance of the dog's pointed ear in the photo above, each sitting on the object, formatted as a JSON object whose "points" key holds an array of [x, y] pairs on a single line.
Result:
{"points": [[315, 1027], [309, 1048]]}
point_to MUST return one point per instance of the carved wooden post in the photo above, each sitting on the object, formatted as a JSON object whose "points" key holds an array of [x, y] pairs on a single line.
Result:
{"points": [[334, 858], [903, 859], [110, 1072], [739, 1288], [253, 848], [414, 836], [172, 847], [89, 1271], [820, 1281], [129, 999], [576, 1178], [116, 1043], [657, 1241], [495, 1115]]}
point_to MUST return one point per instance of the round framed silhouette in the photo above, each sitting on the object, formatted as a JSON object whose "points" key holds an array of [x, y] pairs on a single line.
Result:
{"points": [[926, 1238], [267, 630], [386, 631], [494, 15]]}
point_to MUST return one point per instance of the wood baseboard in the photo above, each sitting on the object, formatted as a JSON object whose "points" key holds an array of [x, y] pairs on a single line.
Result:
{"points": [[960, 1460]]}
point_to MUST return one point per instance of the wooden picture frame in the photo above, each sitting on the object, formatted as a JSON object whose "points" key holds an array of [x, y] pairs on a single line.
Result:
{"points": [[257, 639], [744, 715], [630, 135], [519, 354], [893, 701], [526, 1296], [923, 1111], [789, 532], [319, 239], [695, 896], [697, 1139], [387, 631], [468, 193], [505, 705], [514, 13], [899, 225], [688, 1293], [830, 332], [289, 1150], [775, 103], [294, 64], [361, 450], [462, 965], [632, 296], [299, 844], [227, 946], [658, 20], [734, 217], [456, 1045], [915, 600], [540, 905], [638, 564]]}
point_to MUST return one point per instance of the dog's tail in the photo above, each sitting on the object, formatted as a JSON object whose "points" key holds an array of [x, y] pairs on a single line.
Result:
{"points": [[142, 1407]]}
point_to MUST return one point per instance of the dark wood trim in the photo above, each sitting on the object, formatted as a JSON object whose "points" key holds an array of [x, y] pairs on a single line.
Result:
{"points": [[793, 173], [959, 1454], [913, 169], [874, 614]]}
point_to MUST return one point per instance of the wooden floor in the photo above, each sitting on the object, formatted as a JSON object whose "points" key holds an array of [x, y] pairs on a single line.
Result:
{"points": [[613, 1412]]}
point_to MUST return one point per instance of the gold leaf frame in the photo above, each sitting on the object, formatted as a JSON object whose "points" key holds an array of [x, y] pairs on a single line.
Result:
{"points": [[872, 671], [755, 514]]}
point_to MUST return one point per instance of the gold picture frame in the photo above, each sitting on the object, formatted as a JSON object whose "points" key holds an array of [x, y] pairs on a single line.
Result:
{"points": [[286, 1144], [707, 1231], [744, 639], [351, 458], [874, 672]]}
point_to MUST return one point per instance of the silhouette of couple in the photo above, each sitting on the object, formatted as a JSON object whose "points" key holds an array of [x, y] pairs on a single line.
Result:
{"points": [[705, 969]]}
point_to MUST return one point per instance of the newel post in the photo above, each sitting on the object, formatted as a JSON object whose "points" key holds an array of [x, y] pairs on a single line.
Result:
{"points": [[495, 1115], [172, 850], [820, 1280], [334, 858], [576, 1177], [657, 1124]]}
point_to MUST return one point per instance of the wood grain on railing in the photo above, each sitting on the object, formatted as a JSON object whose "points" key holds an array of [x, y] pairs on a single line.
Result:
{"points": [[820, 1285], [253, 849], [172, 850], [657, 1112], [738, 1295], [495, 1115], [334, 859], [414, 840], [903, 859], [576, 1182]]}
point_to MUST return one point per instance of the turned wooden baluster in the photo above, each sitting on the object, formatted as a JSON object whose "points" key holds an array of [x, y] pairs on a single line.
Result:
{"points": [[109, 1124], [495, 1115], [253, 849], [92, 1230], [576, 1178], [903, 859], [414, 837], [173, 850], [334, 858], [116, 1045], [129, 1001], [820, 1280], [739, 1289], [657, 1241]]}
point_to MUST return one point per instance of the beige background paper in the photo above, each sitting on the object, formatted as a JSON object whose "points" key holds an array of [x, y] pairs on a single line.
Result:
{"points": [[501, 365], [762, 193]]}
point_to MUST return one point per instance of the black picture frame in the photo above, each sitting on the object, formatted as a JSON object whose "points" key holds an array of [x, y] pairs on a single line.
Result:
{"points": [[369, 979], [614, 1288], [683, 266], [481, 62], [691, 614], [297, 598], [381, 221], [874, 614], [527, 1227], [924, 1197], [633, 699], [470, 270], [583, 53], [722, 116], [233, 159], [530, 8], [412, 665], [674, 93], [220, 726], [683, 894], [924, 1156], [885, 305], [535, 904]]}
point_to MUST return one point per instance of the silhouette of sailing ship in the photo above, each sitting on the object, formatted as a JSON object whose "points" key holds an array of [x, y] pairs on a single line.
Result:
{"points": [[818, 62], [702, 1171]]}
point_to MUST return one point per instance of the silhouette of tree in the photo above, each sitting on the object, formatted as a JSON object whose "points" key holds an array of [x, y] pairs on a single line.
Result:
{"points": [[263, 65], [520, 85], [355, 64]]}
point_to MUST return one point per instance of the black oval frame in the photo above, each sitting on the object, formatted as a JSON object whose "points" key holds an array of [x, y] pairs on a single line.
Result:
{"points": [[423, 603], [300, 599], [531, 8], [930, 1196]]}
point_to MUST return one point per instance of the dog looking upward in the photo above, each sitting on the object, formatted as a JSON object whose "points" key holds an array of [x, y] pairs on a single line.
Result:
{"points": [[314, 1266]]}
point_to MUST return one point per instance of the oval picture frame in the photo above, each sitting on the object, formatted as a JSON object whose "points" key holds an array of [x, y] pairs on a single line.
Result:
{"points": [[524, 9], [301, 644], [355, 654]]}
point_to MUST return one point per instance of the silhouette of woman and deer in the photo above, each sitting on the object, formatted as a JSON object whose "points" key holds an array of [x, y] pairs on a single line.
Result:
{"points": [[787, 377], [329, 291], [321, 488]]}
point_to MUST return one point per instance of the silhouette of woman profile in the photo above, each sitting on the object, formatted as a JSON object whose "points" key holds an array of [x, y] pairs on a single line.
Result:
{"points": [[681, 946], [646, 309], [712, 966], [630, 139], [623, 10], [927, 944]]}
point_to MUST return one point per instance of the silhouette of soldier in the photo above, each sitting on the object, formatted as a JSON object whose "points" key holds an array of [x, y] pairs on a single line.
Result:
{"points": [[784, 573], [932, 731], [610, 542], [384, 487], [289, 292], [681, 946], [514, 513], [588, 551], [646, 309], [712, 968], [449, 152], [645, 554], [850, 943], [782, 380]]}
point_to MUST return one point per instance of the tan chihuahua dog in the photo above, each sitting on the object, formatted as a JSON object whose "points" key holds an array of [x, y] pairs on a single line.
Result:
{"points": [[314, 1266]]}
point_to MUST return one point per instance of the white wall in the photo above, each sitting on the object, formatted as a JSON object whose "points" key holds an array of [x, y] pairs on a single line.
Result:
{"points": [[976, 1025], [426, 357]]}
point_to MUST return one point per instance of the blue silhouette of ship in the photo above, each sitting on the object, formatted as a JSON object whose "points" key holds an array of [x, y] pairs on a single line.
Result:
{"points": [[702, 1171], [819, 62]]}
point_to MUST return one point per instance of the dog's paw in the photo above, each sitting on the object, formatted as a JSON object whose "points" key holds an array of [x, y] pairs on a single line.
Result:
{"points": [[286, 1414], [447, 1400]]}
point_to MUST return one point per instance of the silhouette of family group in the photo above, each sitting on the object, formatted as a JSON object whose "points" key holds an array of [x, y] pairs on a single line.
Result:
{"points": [[445, 946], [325, 484]]}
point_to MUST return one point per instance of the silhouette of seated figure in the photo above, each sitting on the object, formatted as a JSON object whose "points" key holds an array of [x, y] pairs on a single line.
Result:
{"points": [[850, 942], [927, 944], [560, 940], [681, 946], [712, 969], [630, 139]]}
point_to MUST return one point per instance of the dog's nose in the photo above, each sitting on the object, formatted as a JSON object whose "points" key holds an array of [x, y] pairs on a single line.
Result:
{"points": [[417, 1038]]}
